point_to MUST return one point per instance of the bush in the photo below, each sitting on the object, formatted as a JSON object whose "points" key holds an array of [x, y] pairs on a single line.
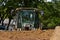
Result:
{"points": [[51, 25], [51, 22]]}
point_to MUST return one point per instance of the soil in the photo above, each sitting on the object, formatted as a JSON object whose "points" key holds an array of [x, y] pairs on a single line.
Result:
{"points": [[26, 35], [56, 34]]}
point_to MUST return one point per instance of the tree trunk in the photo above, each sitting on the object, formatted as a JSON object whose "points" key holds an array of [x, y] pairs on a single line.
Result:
{"points": [[2, 20], [8, 23]]}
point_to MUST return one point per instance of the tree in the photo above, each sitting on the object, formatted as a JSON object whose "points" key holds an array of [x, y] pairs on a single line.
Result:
{"points": [[51, 9]]}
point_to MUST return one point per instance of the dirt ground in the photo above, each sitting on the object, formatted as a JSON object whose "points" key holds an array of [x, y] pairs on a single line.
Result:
{"points": [[56, 34], [26, 35]]}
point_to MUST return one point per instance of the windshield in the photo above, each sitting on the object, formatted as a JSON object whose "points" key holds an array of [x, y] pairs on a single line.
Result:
{"points": [[27, 16]]}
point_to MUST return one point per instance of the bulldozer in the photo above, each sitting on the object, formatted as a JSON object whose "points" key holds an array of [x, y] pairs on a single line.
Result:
{"points": [[27, 18]]}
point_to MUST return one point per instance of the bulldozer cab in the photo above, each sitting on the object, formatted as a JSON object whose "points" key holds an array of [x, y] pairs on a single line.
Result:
{"points": [[27, 18]]}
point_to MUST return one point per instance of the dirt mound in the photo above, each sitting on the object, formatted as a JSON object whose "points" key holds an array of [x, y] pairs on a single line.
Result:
{"points": [[56, 34], [26, 35]]}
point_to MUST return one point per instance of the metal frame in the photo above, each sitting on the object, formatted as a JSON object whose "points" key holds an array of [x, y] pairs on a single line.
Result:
{"points": [[19, 9]]}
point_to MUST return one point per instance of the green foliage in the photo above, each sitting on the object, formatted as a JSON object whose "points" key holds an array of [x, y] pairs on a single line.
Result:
{"points": [[51, 16]]}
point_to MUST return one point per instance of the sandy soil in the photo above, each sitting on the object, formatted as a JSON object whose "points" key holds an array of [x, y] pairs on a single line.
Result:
{"points": [[26, 35], [56, 34]]}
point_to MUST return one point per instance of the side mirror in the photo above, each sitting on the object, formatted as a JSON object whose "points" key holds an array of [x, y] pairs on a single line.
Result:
{"points": [[42, 12]]}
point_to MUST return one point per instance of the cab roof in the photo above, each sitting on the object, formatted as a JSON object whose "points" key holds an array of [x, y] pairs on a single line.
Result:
{"points": [[26, 9]]}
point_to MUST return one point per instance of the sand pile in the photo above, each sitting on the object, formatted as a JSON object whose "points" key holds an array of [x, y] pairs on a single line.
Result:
{"points": [[26, 35], [56, 34]]}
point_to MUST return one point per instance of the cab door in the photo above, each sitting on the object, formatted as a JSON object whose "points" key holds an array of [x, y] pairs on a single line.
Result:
{"points": [[26, 18]]}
